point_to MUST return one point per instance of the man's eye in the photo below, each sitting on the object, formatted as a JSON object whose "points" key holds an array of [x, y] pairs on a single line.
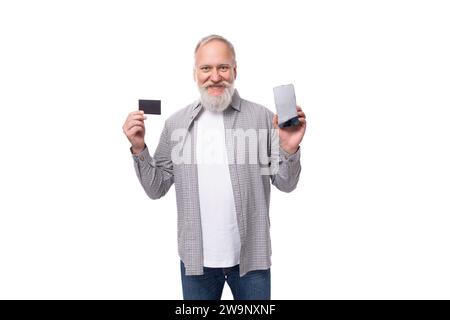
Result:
{"points": [[224, 68], [204, 68]]}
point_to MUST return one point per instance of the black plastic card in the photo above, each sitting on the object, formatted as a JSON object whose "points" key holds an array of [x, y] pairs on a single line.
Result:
{"points": [[150, 106]]}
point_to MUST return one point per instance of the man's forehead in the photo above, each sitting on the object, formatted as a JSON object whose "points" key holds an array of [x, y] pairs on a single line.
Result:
{"points": [[214, 51]]}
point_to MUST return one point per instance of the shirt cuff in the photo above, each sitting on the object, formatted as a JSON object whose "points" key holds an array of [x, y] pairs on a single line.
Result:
{"points": [[290, 157], [141, 156]]}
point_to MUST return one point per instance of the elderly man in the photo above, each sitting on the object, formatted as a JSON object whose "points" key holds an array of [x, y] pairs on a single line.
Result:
{"points": [[222, 197]]}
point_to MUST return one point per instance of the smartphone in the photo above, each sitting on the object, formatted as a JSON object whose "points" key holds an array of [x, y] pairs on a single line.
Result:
{"points": [[286, 105], [150, 106]]}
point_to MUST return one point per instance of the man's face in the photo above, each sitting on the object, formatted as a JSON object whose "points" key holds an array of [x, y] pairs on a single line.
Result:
{"points": [[214, 67]]}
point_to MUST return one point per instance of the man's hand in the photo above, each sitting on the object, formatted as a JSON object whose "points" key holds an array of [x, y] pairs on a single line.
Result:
{"points": [[290, 137], [134, 129]]}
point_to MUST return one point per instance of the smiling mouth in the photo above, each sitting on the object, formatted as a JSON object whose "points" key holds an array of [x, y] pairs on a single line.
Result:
{"points": [[216, 87], [216, 90]]}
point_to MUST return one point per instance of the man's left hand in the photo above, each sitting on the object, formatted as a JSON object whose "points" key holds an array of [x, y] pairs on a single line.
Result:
{"points": [[290, 137]]}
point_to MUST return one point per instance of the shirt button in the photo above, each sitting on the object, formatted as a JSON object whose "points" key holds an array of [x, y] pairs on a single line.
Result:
{"points": [[141, 158]]}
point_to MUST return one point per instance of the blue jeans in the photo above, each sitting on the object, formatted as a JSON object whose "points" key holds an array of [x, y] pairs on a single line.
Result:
{"points": [[255, 285]]}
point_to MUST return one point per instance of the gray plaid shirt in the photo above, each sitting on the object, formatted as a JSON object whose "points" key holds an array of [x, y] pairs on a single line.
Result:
{"points": [[251, 187]]}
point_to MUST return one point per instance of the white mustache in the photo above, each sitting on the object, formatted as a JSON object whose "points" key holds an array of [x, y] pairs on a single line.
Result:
{"points": [[223, 83]]}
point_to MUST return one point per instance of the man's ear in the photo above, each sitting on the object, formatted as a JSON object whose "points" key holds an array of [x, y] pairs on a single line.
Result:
{"points": [[194, 74], [235, 71]]}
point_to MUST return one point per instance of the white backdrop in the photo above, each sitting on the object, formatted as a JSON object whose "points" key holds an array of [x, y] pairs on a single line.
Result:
{"points": [[370, 217]]}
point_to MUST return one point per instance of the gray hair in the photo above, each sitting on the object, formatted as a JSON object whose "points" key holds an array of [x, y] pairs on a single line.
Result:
{"points": [[213, 37]]}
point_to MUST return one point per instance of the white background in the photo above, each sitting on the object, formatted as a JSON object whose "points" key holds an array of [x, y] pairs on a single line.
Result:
{"points": [[370, 217]]}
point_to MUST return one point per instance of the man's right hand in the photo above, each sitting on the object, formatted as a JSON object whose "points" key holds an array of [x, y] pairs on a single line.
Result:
{"points": [[134, 129]]}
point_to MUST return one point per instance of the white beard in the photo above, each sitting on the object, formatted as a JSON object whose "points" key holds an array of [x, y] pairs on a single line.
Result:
{"points": [[219, 103]]}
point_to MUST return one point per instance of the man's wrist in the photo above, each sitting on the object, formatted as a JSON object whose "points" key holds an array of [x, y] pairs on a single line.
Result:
{"points": [[137, 150], [290, 151]]}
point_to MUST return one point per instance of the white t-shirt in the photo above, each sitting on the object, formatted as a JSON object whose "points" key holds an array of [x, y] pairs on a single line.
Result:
{"points": [[221, 241]]}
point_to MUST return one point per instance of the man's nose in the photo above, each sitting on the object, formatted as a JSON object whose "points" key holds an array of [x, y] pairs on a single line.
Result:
{"points": [[215, 76]]}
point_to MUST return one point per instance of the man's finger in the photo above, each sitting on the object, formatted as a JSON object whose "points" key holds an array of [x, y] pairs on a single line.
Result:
{"points": [[275, 121], [135, 130], [302, 121], [132, 123], [135, 113], [136, 123], [301, 114], [138, 117]]}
